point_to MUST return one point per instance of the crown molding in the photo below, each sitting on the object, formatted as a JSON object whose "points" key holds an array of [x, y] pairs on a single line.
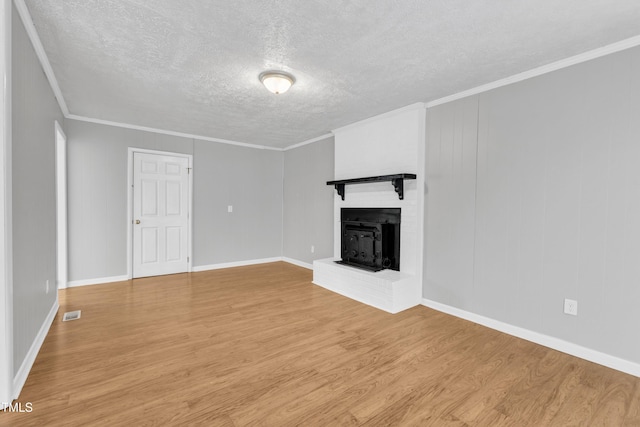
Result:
{"points": [[25, 16], [410, 107], [554, 66], [23, 11], [169, 132], [308, 141]]}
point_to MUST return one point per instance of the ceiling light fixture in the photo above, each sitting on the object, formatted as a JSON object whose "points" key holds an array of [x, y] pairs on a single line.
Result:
{"points": [[277, 81]]}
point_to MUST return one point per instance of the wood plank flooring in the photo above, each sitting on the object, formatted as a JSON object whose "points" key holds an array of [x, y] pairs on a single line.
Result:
{"points": [[261, 345]]}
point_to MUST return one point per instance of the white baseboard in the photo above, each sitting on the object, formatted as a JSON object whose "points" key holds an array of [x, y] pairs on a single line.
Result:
{"points": [[101, 280], [576, 350], [97, 281], [235, 264], [22, 374], [298, 263]]}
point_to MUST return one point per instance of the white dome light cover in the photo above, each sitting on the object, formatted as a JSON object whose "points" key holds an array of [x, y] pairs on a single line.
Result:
{"points": [[277, 81]]}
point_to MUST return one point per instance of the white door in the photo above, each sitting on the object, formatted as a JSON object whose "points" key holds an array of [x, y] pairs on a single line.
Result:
{"points": [[160, 214]]}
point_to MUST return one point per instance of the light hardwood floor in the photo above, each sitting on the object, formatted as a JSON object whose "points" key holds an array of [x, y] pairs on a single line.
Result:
{"points": [[261, 345]]}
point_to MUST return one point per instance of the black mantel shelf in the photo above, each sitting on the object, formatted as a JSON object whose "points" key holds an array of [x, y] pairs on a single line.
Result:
{"points": [[397, 180]]}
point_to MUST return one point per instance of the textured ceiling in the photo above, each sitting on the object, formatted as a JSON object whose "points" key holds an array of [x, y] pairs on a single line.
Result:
{"points": [[193, 66]]}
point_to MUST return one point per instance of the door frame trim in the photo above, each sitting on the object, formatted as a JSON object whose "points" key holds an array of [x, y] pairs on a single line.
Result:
{"points": [[62, 226], [189, 157]]}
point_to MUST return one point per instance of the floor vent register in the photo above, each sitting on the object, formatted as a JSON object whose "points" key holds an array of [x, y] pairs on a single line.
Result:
{"points": [[71, 315]]}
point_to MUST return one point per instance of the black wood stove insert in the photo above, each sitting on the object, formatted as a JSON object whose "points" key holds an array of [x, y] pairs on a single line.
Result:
{"points": [[371, 238]]}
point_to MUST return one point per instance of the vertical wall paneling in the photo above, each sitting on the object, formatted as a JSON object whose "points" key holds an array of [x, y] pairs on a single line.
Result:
{"points": [[450, 212], [34, 111], [6, 299], [557, 202]]}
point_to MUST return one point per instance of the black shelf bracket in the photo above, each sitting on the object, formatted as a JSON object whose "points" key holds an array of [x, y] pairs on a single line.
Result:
{"points": [[398, 185], [396, 180]]}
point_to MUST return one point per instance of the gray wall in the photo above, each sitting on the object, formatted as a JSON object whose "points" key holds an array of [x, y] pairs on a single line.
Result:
{"points": [[534, 196], [34, 109], [452, 141], [249, 179], [97, 157], [308, 201]]}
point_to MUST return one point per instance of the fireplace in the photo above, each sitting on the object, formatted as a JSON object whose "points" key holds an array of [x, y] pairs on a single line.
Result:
{"points": [[370, 238]]}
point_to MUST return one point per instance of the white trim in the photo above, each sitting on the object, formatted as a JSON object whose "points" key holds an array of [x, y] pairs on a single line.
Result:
{"points": [[27, 363], [6, 234], [23, 11], [309, 141], [129, 223], [586, 56], [421, 202], [564, 63], [168, 132], [298, 263], [190, 216], [61, 207], [235, 264], [189, 157], [282, 203], [104, 280], [411, 107], [98, 281], [554, 66], [542, 339]]}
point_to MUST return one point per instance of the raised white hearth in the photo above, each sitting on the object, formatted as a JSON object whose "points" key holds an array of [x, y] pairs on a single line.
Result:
{"points": [[388, 290]]}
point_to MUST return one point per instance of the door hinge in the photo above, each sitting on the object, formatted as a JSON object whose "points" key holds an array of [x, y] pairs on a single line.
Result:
{"points": [[188, 170], [187, 259]]}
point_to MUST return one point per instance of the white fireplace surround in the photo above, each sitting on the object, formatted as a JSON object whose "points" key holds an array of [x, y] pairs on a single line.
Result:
{"points": [[388, 144]]}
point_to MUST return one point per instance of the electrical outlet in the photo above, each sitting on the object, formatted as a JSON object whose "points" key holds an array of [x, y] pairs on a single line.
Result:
{"points": [[313, 249], [571, 307], [46, 286], [229, 208]]}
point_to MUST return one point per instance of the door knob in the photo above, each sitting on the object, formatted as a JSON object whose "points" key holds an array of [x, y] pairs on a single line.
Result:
{"points": [[137, 221]]}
